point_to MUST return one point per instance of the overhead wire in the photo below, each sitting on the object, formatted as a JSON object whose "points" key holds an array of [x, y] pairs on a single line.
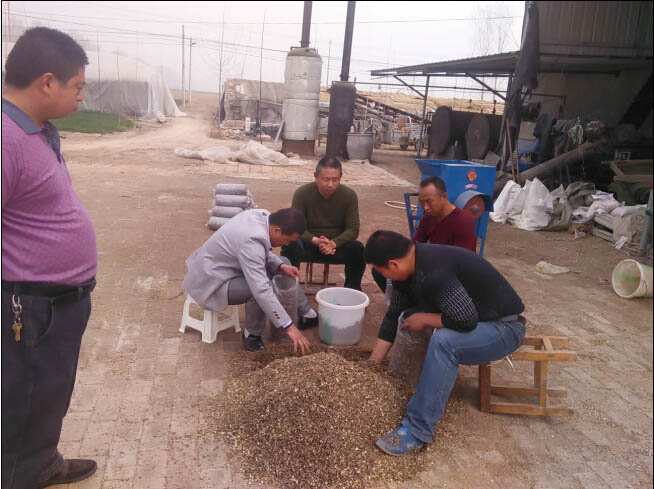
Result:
{"points": [[335, 22]]}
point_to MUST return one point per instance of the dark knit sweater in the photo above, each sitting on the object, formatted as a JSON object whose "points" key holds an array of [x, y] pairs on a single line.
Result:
{"points": [[457, 283], [336, 218]]}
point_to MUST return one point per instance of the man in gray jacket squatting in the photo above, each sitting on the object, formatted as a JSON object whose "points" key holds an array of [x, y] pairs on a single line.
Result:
{"points": [[235, 265]]}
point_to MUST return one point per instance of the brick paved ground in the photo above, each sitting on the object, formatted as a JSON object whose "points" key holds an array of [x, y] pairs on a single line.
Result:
{"points": [[144, 391]]}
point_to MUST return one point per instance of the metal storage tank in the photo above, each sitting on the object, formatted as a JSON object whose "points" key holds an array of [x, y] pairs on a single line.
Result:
{"points": [[301, 98]]}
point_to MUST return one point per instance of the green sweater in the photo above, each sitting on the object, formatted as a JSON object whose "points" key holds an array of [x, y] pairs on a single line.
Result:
{"points": [[337, 218]]}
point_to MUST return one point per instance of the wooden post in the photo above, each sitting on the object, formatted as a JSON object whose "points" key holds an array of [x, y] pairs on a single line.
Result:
{"points": [[190, 60], [422, 123], [484, 388], [183, 70]]}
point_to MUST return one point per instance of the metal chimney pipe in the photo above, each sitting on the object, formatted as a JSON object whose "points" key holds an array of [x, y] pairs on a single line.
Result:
{"points": [[347, 45], [306, 25]]}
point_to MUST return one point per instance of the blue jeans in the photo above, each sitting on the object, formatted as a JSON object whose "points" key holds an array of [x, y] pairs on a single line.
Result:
{"points": [[447, 350]]}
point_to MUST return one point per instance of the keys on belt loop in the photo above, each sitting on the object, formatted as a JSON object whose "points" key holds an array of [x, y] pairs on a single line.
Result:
{"points": [[18, 309]]}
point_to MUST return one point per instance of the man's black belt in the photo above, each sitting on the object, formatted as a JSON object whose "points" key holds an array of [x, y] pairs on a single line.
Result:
{"points": [[55, 292]]}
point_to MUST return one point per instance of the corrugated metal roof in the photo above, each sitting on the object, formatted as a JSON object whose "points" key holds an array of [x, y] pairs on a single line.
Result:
{"points": [[596, 28], [503, 63]]}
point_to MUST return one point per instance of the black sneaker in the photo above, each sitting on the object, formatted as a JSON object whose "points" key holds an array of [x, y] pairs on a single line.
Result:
{"points": [[73, 470], [252, 343], [307, 323]]}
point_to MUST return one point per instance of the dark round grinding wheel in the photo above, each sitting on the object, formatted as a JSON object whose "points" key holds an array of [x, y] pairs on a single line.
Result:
{"points": [[475, 206], [478, 137], [441, 129]]}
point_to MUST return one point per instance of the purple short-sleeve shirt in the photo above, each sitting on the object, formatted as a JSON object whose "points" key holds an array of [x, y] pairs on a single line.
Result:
{"points": [[47, 234]]}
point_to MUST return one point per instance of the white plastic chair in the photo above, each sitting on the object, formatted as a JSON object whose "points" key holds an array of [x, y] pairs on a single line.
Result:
{"points": [[211, 323]]}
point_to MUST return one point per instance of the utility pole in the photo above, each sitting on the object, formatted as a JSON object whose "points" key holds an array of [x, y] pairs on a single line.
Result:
{"points": [[190, 59], [137, 59], [347, 45], [220, 73], [263, 26], [117, 65], [97, 40], [183, 70], [329, 53]]}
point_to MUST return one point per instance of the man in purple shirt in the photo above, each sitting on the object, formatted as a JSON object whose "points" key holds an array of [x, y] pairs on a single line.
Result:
{"points": [[49, 260]]}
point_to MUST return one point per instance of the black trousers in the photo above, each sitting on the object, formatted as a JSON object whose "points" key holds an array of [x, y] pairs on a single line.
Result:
{"points": [[349, 253], [38, 376]]}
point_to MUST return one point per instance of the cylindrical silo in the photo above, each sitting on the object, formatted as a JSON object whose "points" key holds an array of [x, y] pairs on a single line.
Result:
{"points": [[301, 97]]}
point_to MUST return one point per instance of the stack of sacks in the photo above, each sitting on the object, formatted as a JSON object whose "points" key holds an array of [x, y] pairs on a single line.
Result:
{"points": [[229, 199]]}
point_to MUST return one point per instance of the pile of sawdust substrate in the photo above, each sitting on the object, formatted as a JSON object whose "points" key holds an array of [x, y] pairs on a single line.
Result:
{"points": [[311, 421]]}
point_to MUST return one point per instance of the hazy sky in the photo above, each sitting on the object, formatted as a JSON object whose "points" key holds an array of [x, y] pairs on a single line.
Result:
{"points": [[386, 34]]}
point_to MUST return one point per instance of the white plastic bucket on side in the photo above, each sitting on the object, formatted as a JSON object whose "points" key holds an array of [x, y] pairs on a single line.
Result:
{"points": [[632, 279], [340, 312]]}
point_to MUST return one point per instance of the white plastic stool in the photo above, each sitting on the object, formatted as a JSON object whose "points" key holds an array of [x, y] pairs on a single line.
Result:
{"points": [[211, 323]]}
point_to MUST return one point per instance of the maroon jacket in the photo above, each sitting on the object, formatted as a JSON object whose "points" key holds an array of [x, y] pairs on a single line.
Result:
{"points": [[457, 229]]}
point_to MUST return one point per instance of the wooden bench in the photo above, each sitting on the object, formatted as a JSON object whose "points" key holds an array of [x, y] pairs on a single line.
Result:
{"points": [[542, 353]]}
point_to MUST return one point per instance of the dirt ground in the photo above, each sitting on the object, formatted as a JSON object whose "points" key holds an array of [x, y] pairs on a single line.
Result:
{"points": [[144, 390]]}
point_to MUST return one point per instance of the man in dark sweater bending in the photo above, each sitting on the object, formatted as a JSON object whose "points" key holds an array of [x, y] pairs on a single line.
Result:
{"points": [[332, 214], [471, 307]]}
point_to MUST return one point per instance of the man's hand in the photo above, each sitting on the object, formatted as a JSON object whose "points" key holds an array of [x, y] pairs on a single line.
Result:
{"points": [[289, 270], [421, 320], [416, 322], [380, 351], [298, 339], [319, 241], [328, 247]]}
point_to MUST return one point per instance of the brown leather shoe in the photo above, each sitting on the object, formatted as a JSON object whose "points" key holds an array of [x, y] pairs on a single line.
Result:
{"points": [[73, 470]]}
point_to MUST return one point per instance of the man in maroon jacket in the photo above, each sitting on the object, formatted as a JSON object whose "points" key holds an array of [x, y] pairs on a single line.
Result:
{"points": [[441, 223]]}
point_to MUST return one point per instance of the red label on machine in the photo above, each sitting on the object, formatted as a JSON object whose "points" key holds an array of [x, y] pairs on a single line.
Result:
{"points": [[472, 175]]}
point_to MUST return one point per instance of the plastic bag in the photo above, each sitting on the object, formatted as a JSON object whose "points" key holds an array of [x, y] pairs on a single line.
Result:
{"points": [[215, 223], [544, 267], [603, 203], [517, 204], [242, 201], [231, 189], [408, 352], [501, 205], [222, 211], [537, 209]]}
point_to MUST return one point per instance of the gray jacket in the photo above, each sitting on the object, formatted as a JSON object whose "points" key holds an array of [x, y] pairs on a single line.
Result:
{"points": [[239, 248]]}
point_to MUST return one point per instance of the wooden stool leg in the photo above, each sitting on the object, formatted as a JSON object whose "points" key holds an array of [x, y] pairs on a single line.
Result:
{"points": [[484, 388], [540, 375], [310, 273], [325, 275]]}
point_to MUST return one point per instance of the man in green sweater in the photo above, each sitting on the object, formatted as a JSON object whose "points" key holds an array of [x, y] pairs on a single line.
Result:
{"points": [[332, 214]]}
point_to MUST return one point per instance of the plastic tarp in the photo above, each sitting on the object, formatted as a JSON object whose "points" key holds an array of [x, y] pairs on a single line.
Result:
{"points": [[602, 203], [251, 153], [127, 86]]}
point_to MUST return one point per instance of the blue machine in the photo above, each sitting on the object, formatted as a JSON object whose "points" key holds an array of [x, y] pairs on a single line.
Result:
{"points": [[469, 185]]}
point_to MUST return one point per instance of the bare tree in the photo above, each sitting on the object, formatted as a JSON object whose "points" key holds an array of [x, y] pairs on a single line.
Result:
{"points": [[493, 32]]}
